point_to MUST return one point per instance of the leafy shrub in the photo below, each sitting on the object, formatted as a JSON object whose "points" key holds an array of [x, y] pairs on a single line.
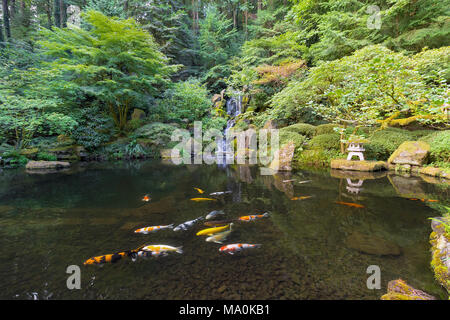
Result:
{"points": [[134, 150], [304, 129], [316, 158], [286, 136], [13, 158], [325, 128], [159, 133], [328, 141], [440, 146], [384, 142], [43, 156]]}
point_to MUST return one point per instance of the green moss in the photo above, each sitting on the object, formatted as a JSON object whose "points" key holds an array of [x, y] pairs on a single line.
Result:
{"points": [[384, 142], [440, 146], [326, 129], [304, 129]]}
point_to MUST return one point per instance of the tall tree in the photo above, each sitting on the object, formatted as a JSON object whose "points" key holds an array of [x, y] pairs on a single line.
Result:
{"points": [[2, 39], [63, 13], [6, 19], [57, 12]]}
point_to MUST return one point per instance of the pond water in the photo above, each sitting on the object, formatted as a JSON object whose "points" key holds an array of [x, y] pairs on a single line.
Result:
{"points": [[311, 249]]}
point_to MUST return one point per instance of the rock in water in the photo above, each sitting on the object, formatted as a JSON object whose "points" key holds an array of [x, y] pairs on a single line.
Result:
{"points": [[410, 152], [45, 165], [285, 156], [354, 165], [400, 290], [372, 245]]}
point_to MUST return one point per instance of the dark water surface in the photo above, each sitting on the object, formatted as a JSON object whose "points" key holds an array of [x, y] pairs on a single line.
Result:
{"points": [[311, 249]]}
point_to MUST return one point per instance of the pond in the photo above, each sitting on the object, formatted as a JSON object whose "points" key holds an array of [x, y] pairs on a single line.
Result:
{"points": [[315, 248]]}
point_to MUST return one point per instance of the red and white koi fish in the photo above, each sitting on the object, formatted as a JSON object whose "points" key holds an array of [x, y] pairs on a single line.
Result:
{"points": [[146, 198], [238, 247], [148, 230], [254, 217]]}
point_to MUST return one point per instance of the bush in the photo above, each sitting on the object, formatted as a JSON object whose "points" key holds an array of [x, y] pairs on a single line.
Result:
{"points": [[325, 128], [158, 133], [384, 142], [329, 141], [286, 136], [43, 156], [440, 146], [304, 129]]}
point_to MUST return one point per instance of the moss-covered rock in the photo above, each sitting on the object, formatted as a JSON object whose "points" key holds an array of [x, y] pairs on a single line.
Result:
{"points": [[44, 165], [400, 290], [344, 164], [285, 156], [410, 153]]}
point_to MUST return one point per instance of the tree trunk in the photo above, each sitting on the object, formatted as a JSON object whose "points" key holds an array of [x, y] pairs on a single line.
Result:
{"points": [[48, 11], [57, 13], [13, 9], [2, 39], [63, 13], [6, 19], [259, 5], [26, 15], [126, 6]]}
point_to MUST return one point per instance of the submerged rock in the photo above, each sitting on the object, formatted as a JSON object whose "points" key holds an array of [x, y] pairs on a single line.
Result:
{"points": [[410, 153], [440, 251], [400, 290], [372, 245], [45, 165], [343, 164]]}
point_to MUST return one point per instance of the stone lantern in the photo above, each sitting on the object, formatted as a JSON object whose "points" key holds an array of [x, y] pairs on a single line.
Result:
{"points": [[355, 148]]}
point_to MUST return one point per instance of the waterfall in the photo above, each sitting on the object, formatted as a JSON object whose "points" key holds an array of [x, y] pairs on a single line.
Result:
{"points": [[234, 108]]}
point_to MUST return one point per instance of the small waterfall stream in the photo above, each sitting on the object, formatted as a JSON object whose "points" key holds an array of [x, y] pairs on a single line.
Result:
{"points": [[234, 108]]}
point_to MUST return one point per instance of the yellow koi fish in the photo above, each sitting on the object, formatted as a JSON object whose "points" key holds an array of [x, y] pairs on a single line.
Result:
{"points": [[202, 199], [199, 190], [211, 231]]}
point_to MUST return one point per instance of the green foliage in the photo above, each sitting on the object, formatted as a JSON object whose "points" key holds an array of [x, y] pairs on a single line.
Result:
{"points": [[43, 156], [287, 136], [158, 133], [111, 62], [384, 142], [305, 129], [372, 84], [327, 141], [325, 128], [184, 102], [134, 150], [440, 146]]}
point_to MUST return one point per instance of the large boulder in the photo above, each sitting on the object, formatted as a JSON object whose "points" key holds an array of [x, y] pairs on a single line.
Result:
{"points": [[138, 114], [412, 153], [400, 290], [46, 165], [285, 156]]}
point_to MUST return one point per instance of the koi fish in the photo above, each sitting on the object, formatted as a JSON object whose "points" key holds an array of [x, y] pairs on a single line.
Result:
{"points": [[211, 231], [219, 237], [254, 217], [199, 190], [108, 258], [286, 181], [307, 181], [301, 198], [214, 213], [146, 198], [238, 247], [428, 200], [220, 193], [148, 230], [187, 225], [162, 248], [354, 205], [202, 199], [217, 223], [414, 199]]}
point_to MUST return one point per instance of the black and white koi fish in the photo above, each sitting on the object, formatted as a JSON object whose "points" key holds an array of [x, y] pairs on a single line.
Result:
{"points": [[187, 224], [213, 214]]}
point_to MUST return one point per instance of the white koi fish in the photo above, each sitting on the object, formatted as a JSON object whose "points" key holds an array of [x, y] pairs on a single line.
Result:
{"points": [[162, 248], [220, 193], [301, 182], [187, 224], [148, 230], [220, 237], [238, 247], [213, 214]]}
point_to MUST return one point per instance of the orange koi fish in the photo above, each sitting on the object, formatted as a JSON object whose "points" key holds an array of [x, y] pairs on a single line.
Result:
{"points": [[199, 190], [146, 198], [108, 258], [354, 205], [238, 247], [301, 198], [253, 217], [148, 230], [428, 200], [202, 199]]}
